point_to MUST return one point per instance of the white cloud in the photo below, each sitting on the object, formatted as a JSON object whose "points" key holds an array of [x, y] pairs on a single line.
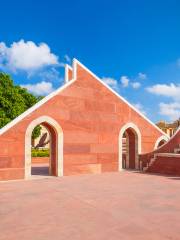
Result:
{"points": [[67, 58], [40, 89], [140, 107], [26, 56], [166, 90], [136, 85], [51, 75], [170, 110], [124, 81], [142, 76], [110, 81]]}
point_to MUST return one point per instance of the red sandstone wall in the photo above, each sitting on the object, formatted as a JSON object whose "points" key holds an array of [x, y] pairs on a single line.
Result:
{"points": [[91, 117], [70, 75]]}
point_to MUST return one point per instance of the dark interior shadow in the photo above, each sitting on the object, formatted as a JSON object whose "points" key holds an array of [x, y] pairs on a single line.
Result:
{"points": [[40, 170]]}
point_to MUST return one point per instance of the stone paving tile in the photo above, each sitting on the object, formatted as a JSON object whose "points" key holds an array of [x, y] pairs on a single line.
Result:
{"points": [[110, 206]]}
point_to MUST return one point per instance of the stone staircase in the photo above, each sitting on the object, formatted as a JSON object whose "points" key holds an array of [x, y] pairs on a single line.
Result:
{"points": [[166, 164], [163, 160], [176, 153]]}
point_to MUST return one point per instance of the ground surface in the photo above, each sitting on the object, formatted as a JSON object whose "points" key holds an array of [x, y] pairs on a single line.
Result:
{"points": [[108, 206]]}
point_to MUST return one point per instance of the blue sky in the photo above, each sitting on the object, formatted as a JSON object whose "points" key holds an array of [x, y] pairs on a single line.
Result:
{"points": [[134, 46]]}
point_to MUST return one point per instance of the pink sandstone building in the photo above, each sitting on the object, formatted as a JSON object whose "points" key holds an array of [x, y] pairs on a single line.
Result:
{"points": [[87, 122]]}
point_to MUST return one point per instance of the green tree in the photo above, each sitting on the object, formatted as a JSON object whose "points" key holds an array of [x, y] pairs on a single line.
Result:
{"points": [[14, 100], [36, 132]]}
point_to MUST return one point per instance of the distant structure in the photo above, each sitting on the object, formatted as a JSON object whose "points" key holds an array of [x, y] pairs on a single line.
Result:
{"points": [[43, 140], [169, 128]]}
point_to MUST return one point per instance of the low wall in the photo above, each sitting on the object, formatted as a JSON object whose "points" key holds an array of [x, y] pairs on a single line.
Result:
{"points": [[40, 160]]}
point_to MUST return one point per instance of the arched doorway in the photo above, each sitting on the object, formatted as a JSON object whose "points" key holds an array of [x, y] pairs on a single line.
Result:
{"points": [[161, 141], [56, 146], [41, 150], [129, 147]]}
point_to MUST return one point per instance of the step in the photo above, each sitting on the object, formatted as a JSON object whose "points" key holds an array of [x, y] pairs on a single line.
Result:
{"points": [[168, 154]]}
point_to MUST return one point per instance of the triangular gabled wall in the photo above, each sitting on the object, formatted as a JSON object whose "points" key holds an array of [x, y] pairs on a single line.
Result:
{"points": [[88, 118]]}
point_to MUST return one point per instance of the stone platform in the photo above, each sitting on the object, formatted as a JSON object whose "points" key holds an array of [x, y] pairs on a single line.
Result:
{"points": [[109, 206]]}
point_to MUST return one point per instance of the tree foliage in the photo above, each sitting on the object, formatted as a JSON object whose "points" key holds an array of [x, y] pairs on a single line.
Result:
{"points": [[36, 132], [14, 100]]}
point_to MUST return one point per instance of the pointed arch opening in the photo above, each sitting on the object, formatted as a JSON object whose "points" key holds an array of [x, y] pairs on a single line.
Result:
{"points": [[55, 144], [161, 141], [129, 146]]}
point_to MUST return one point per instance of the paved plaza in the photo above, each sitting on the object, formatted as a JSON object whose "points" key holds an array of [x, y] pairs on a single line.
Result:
{"points": [[110, 206]]}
